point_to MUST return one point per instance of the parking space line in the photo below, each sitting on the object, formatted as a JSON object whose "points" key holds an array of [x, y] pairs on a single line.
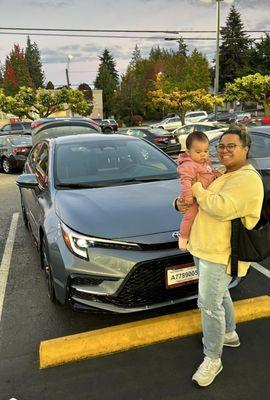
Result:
{"points": [[5, 263], [261, 269], [118, 338]]}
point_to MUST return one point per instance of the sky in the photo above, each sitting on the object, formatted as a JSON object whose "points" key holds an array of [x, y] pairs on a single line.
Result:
{"points": [[116, 14]]}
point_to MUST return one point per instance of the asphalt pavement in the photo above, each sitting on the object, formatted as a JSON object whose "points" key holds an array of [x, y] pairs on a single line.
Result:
{"points": [[161, 371]]}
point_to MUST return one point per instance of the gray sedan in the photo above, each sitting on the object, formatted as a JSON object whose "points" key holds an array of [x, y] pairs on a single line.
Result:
{"points": [[100, 211]]}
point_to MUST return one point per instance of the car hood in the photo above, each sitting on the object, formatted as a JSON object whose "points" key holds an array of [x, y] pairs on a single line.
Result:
{"points": [[120, 211]]}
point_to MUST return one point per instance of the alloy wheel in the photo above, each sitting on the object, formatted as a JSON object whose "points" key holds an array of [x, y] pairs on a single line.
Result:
{"points": [[48, 272], [6, 166]]}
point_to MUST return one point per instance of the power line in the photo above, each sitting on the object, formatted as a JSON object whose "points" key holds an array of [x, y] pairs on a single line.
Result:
{"points": [[120, 30], [119, 37]]}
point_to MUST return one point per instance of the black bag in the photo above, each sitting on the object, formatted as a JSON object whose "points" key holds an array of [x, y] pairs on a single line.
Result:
{"points": [[251, 245]]}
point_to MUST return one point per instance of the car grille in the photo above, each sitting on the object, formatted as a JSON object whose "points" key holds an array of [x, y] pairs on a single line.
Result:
{"points": [[145, 285]]}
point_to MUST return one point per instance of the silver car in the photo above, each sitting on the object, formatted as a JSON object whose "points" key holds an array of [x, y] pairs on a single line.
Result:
{"points": [[100, 211]]}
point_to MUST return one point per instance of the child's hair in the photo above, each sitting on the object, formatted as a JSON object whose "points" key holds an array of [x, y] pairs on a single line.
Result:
{"points": [[196, 135]]}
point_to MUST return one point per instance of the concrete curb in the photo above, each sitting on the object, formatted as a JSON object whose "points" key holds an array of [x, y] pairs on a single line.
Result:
{"points": [[136, 334]]}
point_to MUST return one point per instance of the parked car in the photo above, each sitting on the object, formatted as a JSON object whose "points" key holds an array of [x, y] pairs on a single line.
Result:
{"points": [[109, 125], [63, 127], [195, 116], [42, 121], [211, 129], [227, 117], [169, 124], [17, 128], [14, 150], [100, 210], [161, 138]]}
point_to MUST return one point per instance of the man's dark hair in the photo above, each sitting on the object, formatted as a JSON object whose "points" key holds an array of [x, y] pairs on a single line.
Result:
{"points": [[196, 135]]}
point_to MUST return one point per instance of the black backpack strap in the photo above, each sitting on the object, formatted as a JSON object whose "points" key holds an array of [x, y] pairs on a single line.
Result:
{"points": [[235, 224]]}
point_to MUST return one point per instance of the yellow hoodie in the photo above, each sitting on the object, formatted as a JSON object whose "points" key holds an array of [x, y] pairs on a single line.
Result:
{"points": [[233, 195]]}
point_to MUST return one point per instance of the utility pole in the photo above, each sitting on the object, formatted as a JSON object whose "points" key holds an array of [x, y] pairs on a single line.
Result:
{"points": [[216, 83]]}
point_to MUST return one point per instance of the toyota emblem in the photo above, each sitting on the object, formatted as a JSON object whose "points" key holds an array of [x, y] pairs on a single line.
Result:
{"points": [[176, 234]]}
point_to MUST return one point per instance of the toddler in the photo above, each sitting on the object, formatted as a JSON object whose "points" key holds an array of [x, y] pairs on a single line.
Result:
{"points": [[193, 162]]}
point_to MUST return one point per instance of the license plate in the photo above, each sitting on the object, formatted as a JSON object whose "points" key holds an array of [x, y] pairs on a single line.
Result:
{"points": [[179, 275], [173, 141]]}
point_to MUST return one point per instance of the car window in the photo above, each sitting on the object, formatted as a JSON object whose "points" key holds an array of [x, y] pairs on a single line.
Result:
{"points": [[27, 125], [2, 139], [158, 131], [260, 146], [16, 127], [109, 162], [186, 130], [33, 155], [204, 128], [22, 140], [6, 128], [42, 164], [138, 133]]}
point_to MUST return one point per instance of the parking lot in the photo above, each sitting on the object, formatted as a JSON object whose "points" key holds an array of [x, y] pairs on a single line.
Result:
{"points": [[160, 371]]}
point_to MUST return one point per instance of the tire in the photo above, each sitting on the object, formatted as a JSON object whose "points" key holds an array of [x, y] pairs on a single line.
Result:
{"points": [[48, 271], [24, 215], [6, 166], [107, 130]]}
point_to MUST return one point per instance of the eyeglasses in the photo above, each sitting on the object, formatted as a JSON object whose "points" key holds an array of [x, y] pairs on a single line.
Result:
{"points": [[229, 147]]}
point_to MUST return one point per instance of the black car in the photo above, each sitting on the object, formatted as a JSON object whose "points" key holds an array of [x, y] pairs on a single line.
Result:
{"points": [[63, 127], [14, 150], [108, 125], [16, 128], [158, 136]]}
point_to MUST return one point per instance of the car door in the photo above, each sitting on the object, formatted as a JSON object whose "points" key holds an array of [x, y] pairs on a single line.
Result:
{"points": [[36, 200]]}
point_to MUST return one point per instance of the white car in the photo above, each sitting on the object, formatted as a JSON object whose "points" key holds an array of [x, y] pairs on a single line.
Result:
{"points": [[195, 116], [211, 129], [169, 124]]}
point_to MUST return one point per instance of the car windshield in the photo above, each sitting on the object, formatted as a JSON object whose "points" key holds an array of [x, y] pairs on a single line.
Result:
{"points": [[25, 140], [99, 163]]}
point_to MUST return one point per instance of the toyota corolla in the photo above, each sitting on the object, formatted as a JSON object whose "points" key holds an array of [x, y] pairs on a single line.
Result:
{"points": [[100, 211]]}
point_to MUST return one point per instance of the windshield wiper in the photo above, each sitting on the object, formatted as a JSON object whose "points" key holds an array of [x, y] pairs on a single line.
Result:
{"points": [[148, 179], [75, 185]]}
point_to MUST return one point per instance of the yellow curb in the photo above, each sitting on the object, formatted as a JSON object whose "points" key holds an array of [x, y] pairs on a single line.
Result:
{"points": [[135, 334]]}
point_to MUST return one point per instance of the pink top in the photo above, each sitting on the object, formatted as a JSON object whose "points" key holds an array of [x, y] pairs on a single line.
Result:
{"points": [[188, 169]]}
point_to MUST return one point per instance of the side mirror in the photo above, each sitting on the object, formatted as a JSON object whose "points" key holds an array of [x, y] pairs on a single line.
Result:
{"points": [[27, 181]]}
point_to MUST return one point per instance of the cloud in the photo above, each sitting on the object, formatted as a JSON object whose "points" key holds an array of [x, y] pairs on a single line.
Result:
{"points": [[49, 3]]}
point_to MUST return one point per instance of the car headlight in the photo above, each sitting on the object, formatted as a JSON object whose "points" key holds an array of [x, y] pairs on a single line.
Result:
{"points": [[79, 244]]}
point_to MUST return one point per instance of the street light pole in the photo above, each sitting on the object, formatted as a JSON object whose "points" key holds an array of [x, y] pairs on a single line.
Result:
{"points": [[216, 83]]}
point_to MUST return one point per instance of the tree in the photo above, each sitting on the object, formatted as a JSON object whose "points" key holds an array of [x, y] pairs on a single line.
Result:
{"points": [[234, 50], [50, 85], [183, 101], [250, 88], [136, 57], [16, 71], [260, 56], [182, 47], [108, 60], [41, 103], [88, 96], [1, 75], [107, 80], [32, 56]]}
